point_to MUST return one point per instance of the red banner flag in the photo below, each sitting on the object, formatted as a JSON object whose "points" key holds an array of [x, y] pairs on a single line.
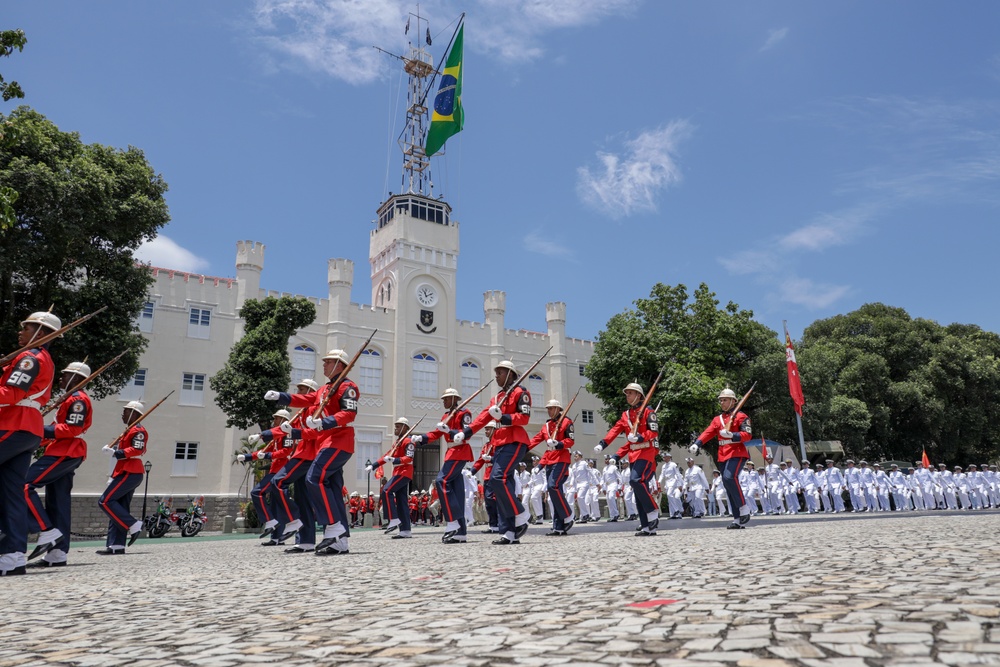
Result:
{"points": [[924, 461], [794, 383], [379, 473]]}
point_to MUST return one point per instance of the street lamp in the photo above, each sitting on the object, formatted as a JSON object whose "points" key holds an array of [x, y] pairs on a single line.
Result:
{"points": [[147, 466], [368, 467]]}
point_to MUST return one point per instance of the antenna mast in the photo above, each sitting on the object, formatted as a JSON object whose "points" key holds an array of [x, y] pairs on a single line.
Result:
{"points": [[419, 65]]}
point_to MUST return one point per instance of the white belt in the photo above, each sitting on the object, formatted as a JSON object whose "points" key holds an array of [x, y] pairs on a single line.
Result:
{"points": [[28, 403]]}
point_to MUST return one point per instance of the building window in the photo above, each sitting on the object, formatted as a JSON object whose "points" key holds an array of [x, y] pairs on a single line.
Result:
{"points": [[145, 319], [370, 373], [471, 381], [193, 389], [536, 387], [367, 447], [136, 387], [185, 460], [425, 376], [587, 422], [199, 323], [583, 370], [303, 364]]}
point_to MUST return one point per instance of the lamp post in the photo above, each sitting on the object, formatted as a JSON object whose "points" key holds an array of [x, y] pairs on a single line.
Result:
{"points": [[368, 466], [147, 466]]}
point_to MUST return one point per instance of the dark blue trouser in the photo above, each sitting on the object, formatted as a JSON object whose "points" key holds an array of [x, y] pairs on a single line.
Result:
{"points": [[55, 474], [731, 483], [450, 486], [15, 457], [395, 501], [490, 500], [505, 460], [557, 474], [642, 472], [294, 473], [326, 487], [116, 502], [265, 500]]}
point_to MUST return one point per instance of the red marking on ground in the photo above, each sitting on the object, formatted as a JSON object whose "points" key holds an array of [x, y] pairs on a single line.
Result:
{"points": [[426, 577], [504, 569], [651, 603]]}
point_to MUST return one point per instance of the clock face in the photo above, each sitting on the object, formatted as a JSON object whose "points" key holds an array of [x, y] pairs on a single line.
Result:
{"points": [[426, 295]]}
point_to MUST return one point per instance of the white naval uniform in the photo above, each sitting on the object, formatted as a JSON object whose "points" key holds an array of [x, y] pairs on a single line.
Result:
{"points": [[672, 482], [611, 480], [697, 486]]}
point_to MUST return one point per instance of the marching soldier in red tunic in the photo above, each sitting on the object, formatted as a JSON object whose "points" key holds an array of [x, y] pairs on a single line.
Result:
{"points": [[126, 477], [398, 509], [485, 460], [557, 433], [732, 431], [25, 386], [65, 450], [640, 448], [275, 453]]}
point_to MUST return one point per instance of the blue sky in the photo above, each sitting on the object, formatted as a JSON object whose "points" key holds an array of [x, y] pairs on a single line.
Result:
{"points": [[801, 158]]}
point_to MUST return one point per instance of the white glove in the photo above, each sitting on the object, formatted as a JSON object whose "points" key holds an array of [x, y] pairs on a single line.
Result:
{"points": [[693, 449], [253, 439], [417, 440], [241, 457], [443, 426], [495, 412], [633, 438], [487, 457], [108, 449], [315, 423], [551, 444], [459, 438], [368, 468], [271, 395], [286, 427], [725, 434], [598, 449]]}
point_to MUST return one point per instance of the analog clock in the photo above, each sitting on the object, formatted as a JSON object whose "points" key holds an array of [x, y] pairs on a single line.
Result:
{"points": [[427, 296]]}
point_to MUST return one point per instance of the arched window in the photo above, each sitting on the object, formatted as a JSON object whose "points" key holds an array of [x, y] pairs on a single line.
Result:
{"points": [[303, 364], [370, 373], [425, 376], [536, 387], [471, 380]]}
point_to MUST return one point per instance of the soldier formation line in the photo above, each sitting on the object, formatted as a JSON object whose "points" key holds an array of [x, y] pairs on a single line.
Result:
{"points": [[306, 453]]}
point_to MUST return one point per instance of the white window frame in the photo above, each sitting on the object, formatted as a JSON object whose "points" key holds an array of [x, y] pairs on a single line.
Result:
{"points": [[185, 461], [370, 372], [587, 422], [193, 389], [202, 328], [471, 381], [535, 385], [367, 446], [303, 364], [145, 317], [136, 387], [425, 376]]}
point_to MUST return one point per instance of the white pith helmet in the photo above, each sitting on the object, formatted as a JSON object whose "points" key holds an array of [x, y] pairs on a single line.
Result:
{"points": [[554, 403], [727, 393], [492, 424], [633, 386], [284, 414], [308, 382], [135, 405], [338, 355], [509, 365], [402, 420], [78, 368], [450, 391], [45, 319]]}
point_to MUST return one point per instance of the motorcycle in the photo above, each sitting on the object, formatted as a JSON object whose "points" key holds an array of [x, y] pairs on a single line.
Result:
{"points": [[162, 519], [194, 520]]}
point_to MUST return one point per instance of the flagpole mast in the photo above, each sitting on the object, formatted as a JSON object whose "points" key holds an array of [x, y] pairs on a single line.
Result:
{"points": [[790, 356]]}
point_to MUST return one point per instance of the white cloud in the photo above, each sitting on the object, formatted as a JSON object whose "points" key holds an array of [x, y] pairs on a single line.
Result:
{"points": [[536, 242], [812, 295], [831, 229], [165, 253], [774, 36], [335, 37], [632, 181]]}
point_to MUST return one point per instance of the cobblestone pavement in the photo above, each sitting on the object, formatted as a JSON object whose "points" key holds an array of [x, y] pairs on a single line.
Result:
{"points": [[899, 590]]}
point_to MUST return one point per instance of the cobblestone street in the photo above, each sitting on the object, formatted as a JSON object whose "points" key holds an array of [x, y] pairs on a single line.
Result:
{"points": [[880, 590]]}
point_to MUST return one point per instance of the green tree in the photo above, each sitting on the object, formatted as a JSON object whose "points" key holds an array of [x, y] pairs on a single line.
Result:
{"points": [[9, 40], [82, 212], [703, 348], [259, 360], [889, 386]]}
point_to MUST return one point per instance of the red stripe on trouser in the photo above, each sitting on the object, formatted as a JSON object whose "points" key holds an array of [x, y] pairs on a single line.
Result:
{"points": [[390, 490], [560, 496], [263, 501], [36, 482], [104, 504], [510, 498], [282, 494], [647, 474], [444, 491], [324, 491]]}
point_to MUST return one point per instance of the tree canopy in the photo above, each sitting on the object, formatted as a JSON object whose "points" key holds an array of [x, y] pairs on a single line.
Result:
{"points": [[82, 210], [703, 349], [259, 360], [888, 386]]}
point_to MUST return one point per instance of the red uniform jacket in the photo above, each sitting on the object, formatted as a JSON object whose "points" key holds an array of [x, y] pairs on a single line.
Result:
{"points": [[647, 430], [72, 420], [339, 412], [132, 446], [729, 448], [354, 505], [414, 503], [276, 451], [516, 409], [401, 458], [565, 438], [487, 450], [456, 422], [25, 387], [425, 501]]}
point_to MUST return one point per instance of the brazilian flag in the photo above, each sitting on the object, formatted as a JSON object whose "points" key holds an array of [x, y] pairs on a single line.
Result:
{"points": [[447, 118]]}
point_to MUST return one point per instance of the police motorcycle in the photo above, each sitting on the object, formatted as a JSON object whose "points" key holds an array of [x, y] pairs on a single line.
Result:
{"points": [[194, 519], [158, 523]]}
